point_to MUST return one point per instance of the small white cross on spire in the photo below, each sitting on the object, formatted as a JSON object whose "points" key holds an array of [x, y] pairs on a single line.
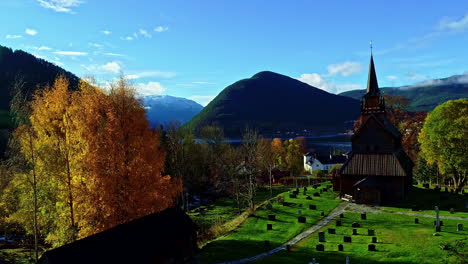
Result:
{"points": [[370, 43]]}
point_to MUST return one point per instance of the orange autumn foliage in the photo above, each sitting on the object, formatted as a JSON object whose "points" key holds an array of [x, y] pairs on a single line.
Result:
{"points": [[124, 159]]}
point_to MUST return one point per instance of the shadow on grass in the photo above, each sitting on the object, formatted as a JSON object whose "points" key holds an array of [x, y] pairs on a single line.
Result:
{"points": [[426, 199]]}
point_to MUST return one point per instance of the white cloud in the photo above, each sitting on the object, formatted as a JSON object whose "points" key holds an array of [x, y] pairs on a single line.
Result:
{"points": [[31, 32], [13, 36], [113, 54], [63, 6], [344, 69], [127, 38], [202, 99], [160, 29], [316, 80], [454, 25], [144, 33], [96, 45], [412, 76], [150, 88], [202, 83], [106, 32], [71, 53], [158, 74], [112, 67], [42, 48], [392, 77]]}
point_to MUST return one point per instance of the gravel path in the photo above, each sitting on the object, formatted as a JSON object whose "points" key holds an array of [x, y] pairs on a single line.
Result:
{"points": [[333, 214]]}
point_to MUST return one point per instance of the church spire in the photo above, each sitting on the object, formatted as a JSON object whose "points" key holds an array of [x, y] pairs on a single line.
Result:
{"points": [[372, 85]]}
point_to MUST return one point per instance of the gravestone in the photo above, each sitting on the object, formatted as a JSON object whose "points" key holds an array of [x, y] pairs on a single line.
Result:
{"points": [[308, 198], [347, 239], [321, 237], [297, 190], [322, 214], [304, 193], [460, 227], [355, 224], [271, 217], [301, 219], [332, 231], [370, 232], [305, 188], [316, 194], [363, 216], [292, 196], [371, 247], [341, 215], [269, 226], [416, 220], [355, 232], [374, 239], [340, 247], [320, 247], [288, 247], [338, 222], [441, 223], [267, 243], [312, 207], [438, 229]]}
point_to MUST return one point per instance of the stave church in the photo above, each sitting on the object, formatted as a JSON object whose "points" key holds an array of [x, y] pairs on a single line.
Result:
{"points": [[378, 170]]}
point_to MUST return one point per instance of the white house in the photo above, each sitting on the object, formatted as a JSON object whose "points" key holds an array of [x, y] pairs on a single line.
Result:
{"points": [[313, 162]]}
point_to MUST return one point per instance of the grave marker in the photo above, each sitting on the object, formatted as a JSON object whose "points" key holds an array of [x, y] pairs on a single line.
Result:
{"points": [[347, 239], [416, 220], [341, 215], [321, 237], [301, 219], [371, 247], [340, 247], [355, 232], [363, 216], [355, 224], [312, 207], [338, 222], [322, 214], [269, 226], [320, 247], [271, 217], [374, 239], [460, 227], [308, 198], [332, 231]]}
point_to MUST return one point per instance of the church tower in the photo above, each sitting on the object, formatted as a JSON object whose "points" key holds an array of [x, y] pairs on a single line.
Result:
{"points": [[372, 102]]}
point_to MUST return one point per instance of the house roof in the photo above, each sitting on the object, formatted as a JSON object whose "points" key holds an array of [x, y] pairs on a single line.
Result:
{"points": [[137, 241], [391, 164], [337, 159]]}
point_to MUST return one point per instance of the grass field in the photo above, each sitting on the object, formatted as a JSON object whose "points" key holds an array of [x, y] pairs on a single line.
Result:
{"points": [[400, 240], [16, 256], [249, 239]]}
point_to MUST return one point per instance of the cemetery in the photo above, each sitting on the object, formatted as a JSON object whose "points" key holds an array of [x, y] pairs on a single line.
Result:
{"points": [[379, 235]]}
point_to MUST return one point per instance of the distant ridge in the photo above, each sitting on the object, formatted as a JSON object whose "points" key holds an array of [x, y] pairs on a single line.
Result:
{"points": [[426, 95], [163, 109], [271, 103]]}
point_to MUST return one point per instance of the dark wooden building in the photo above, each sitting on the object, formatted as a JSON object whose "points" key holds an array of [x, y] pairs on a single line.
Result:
{"points": [[378, 170], [165, 237]]}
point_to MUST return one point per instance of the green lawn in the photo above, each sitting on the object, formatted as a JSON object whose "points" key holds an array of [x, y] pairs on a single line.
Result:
{"points": [[399, 241], [248, 239], [17, 256], [225, 209], [427, 199]]}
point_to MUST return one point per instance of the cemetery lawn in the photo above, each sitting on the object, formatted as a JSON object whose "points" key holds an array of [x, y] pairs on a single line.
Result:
{"points": [[249, 238], [225, 209], [426, 200], [400, 240]]}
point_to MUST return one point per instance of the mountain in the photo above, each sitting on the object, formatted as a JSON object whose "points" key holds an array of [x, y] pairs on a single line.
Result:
{"points": [[162, 109], [273, 103], [426, 95]]}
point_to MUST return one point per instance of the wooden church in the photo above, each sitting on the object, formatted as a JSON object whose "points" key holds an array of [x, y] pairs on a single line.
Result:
{"points": [[378, 170]]}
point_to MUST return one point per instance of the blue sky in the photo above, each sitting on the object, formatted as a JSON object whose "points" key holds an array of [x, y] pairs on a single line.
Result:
{"points": [[194, 49]]}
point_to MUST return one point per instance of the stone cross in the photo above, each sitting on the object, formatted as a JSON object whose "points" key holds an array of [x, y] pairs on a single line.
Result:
{"points": [[436, 208], [313, 262]]}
